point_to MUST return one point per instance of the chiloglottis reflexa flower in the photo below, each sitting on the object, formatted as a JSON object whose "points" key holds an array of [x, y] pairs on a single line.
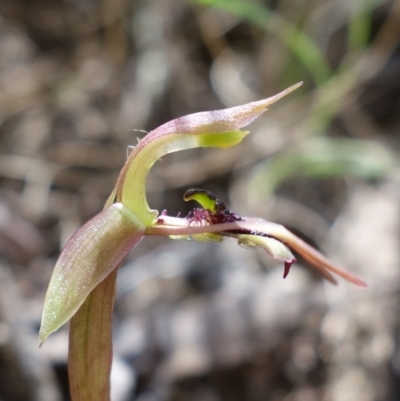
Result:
{"points": [[98, 247]]}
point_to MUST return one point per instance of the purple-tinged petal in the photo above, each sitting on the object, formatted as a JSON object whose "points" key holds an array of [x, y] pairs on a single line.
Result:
{"points": [[176, 226], [88, 257], [286, 270], [315, 258], [221, 120]]}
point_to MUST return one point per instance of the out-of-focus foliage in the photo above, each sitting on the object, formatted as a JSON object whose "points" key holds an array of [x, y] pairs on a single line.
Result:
{"points": [[323, 157], [77, 78], [334, 85]]}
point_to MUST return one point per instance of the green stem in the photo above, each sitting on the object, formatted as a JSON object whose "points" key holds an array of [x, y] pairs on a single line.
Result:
{"points": [[90, 344]]}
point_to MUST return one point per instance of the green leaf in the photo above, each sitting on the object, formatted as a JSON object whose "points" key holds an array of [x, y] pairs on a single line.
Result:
{"points": [[89, 256]]}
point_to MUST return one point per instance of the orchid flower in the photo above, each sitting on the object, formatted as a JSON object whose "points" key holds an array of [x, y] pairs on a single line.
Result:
{"points": [[83, 281]]}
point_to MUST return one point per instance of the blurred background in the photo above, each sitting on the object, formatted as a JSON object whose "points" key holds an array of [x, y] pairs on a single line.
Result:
{"points": [[81, 80]]}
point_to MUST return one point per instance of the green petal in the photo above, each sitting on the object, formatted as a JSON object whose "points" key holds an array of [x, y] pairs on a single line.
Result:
{"points": [[274, 247], [132, 185], [219, 128], [88, 257]]}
